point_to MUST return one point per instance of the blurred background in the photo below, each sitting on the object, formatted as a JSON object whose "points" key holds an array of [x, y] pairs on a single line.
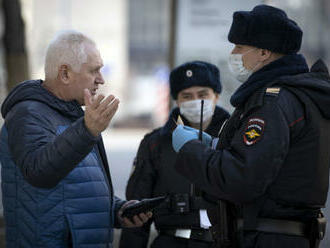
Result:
{"points": [[140, 42]]}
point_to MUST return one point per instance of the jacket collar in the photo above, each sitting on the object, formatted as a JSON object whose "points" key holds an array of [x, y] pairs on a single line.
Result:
{"points": [[34, 91], [285, 66]]}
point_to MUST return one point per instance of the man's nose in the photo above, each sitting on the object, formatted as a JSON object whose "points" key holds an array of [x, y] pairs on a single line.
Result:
{"points": [[100, 79]]}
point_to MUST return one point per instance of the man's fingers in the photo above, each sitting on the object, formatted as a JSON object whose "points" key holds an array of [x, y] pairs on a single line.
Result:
{"points": [[104, 104], [128, 222], [97, 120], [97, 101], [144, 217], [137, 220], [111, 109]]}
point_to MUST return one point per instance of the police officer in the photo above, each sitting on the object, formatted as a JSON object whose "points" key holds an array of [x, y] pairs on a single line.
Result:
{"points": [[272, 157], [180, 222]]}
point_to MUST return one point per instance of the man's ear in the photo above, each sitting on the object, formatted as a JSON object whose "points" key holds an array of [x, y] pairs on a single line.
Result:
{"points": [[63, 73], [265, 54], [217, 96]]}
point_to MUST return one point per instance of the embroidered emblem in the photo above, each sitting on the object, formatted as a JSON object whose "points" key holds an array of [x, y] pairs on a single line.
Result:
{"points": [[189, 73], [254, 131]]}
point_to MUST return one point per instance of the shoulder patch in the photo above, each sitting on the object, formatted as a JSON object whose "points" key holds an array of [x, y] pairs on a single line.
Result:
{"points": [[254, 131], [272, 91]]}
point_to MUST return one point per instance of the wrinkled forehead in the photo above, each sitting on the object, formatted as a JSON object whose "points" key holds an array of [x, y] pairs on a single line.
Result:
{"points": [[93, 55]]}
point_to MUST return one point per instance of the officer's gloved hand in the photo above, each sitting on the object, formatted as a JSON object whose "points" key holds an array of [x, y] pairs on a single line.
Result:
{"points": [[183, 134]]}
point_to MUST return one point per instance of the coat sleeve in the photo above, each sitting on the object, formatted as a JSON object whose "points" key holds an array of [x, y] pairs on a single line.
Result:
{"points": [[43, 156], [118, 203], [243, 171], [140, 185]]}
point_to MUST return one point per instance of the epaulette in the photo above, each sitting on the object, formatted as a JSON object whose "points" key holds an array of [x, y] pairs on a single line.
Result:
{"points": [[273, 91]]}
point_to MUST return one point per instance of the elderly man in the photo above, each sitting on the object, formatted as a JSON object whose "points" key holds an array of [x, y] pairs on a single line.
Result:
{"points": [[56, 183], [272, 158]]}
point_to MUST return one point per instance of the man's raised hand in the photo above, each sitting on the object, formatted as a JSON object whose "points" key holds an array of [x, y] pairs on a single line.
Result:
{"points": [[99, 112]]}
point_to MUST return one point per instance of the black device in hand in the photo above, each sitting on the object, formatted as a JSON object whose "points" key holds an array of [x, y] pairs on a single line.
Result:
{"points": [[142, 206]]}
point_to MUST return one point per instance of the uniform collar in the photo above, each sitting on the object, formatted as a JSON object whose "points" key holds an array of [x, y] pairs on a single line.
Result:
{"points": [[285, 66]]}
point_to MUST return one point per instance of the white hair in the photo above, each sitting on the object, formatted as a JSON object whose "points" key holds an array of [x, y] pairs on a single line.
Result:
{"points": [[67, 48]]}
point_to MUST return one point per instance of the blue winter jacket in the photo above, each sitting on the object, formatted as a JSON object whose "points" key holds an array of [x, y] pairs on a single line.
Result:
{"points": [[56, 183]]}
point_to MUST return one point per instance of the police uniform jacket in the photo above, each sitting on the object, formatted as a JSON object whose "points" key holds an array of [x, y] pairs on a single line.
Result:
{"points": [[273, 154], [154, 175]]}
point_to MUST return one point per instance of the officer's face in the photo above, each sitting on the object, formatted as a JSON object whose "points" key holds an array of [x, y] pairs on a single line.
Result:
{"points": [[253, 58], [197, 93]]}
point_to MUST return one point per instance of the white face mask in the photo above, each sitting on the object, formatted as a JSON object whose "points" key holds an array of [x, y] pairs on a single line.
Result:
{"points": [[191, 110], [237, 68]]}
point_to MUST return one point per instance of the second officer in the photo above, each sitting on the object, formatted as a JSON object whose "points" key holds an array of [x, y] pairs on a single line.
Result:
{"points": [[182, 221]]}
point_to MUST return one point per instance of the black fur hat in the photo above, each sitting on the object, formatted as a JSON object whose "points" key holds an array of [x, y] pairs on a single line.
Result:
{"points": [[266, 27], [195, 73]]}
